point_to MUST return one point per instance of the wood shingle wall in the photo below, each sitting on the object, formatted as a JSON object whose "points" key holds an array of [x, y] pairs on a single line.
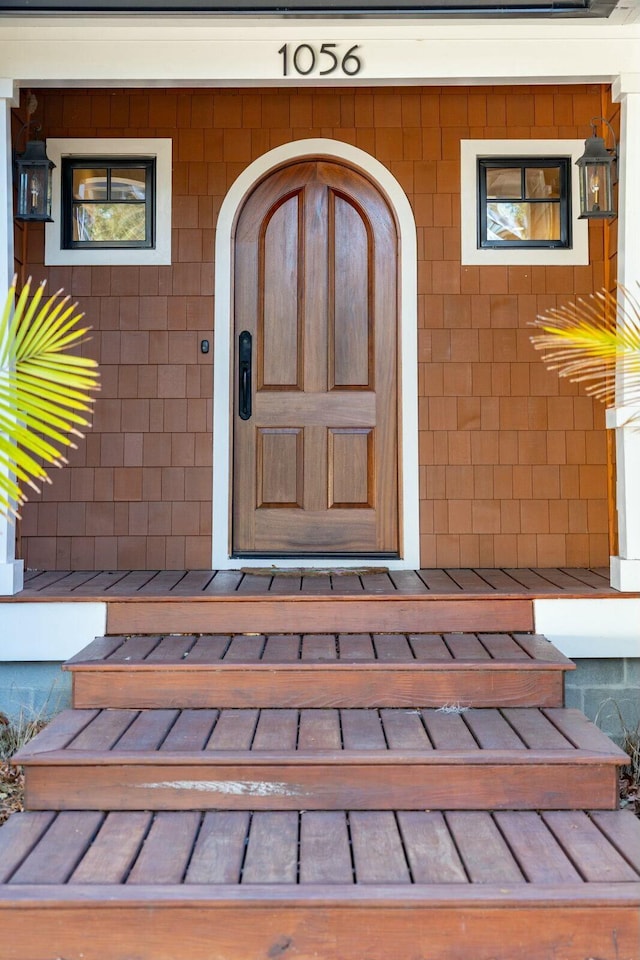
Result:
{"points": [[512, 461]]}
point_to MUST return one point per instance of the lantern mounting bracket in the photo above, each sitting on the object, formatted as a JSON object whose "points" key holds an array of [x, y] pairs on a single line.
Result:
{"points": [[32, 171]]}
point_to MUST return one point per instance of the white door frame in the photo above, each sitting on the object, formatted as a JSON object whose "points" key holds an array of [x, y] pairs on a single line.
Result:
{"points": [[407, 357]]}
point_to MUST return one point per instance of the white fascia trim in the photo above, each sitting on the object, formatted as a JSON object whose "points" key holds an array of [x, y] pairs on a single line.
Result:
{"points": [[159, 148], [48, 631], [110, 51], [470, 150], [590, 627], [408, 367]]}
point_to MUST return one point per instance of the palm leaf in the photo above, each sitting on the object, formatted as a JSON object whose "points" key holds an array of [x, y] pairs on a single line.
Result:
{"points": [[44, 392], [595, 341]]}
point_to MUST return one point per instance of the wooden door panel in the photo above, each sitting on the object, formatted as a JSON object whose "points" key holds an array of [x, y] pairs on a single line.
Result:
{"points": [[316, 467], [350, 342], [350, 468], [279, 468], [314, 409], [336, 531], [279, 320]]}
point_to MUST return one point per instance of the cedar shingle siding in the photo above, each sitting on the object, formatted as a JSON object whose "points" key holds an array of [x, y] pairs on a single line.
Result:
{"points": [[512, 461]]}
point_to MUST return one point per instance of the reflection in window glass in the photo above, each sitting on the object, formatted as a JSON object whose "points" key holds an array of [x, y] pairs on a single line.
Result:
{"points": [[504, 183], [523, 221], [90, 184], [105, 222], [542, 183], [128, 184]]}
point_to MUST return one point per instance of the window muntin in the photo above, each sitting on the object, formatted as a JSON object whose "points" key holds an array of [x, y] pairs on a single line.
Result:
{"points": [[108, 202], [524, 202]]}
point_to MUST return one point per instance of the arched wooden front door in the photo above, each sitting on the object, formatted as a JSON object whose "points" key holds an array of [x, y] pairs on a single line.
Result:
{"points": [[315, 433]]}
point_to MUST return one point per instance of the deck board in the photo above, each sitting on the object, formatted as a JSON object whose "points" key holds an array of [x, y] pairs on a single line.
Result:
{"points": [[325, 856], [475, 834], [431, 851], [596, 859], [378, 851], [167, 848], [63, 845], [539, 854], [219, 851], [492, 848], [185, 584], [114, 849]]}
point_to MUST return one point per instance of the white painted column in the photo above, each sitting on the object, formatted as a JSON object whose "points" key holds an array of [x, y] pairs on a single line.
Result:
{"points": [[625, 568], [11, 570]]}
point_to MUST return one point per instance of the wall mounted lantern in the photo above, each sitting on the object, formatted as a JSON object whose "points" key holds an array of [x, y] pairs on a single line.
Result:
{"points": [[33, 177], [597, 175]]}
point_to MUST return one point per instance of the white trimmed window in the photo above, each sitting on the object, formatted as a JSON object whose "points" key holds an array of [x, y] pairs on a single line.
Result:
{"points": [[111, 202], [517, 203]]}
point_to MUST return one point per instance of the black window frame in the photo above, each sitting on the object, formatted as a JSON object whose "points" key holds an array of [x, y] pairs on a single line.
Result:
{"points": [[563, 164], [110, 163]]}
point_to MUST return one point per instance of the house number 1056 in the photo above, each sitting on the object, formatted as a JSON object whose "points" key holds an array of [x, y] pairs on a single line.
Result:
{"points": [[305, 59]]}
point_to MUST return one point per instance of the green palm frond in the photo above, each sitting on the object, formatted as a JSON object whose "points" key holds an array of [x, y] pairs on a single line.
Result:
{"points": [[593, 340], [44, 391]]}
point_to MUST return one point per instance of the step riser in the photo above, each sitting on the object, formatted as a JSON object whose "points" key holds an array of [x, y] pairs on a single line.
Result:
{"points": [[320, 615], [320, 687], [268, 929], [322, 786]]}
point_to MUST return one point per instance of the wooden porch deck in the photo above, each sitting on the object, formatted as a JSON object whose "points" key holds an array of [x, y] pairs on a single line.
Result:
{"points": [[200, 584], [340, 601]]}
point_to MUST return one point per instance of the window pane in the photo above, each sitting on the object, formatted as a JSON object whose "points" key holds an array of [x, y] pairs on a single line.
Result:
{"points": [[542, 182], [89, 184], [523, 221], [104, 222], [504, 182], [128, 184]]}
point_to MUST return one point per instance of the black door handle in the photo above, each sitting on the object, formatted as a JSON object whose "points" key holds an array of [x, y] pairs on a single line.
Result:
{"points": [[244, 375]]}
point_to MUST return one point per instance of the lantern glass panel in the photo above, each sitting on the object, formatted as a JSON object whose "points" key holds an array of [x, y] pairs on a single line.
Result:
{"points": [[596, 197], [33, 192]]}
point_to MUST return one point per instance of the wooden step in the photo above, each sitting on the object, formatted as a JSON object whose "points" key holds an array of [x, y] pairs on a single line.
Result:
{"points": [[519, 758], [339, 885], [347, 607], [319, 670]]}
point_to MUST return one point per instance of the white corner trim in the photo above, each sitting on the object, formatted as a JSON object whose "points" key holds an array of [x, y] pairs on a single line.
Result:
{"points": [[593, 627], [10, 90], [48, 631], [621, 416], [158, 147], [11, 571], [625, 574], [623, 84], [408, 379], [470, 150]]}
